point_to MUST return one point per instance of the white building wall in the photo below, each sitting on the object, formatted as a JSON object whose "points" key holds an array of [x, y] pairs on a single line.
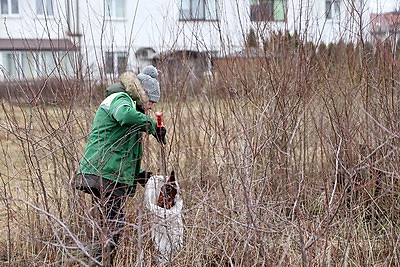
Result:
{"points": [[308, 18], [27, 24], [155, 24]]}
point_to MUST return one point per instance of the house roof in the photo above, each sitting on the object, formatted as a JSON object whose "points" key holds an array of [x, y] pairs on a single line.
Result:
{"points": [[385, 22], [37, 45]]}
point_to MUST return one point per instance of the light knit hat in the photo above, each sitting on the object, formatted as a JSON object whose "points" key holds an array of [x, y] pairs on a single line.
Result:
{"points": [[151, 71], [151, 86]]}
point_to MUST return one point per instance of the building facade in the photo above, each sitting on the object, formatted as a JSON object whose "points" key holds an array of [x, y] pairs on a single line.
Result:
{"points": [[385, 27], [102, 38]]}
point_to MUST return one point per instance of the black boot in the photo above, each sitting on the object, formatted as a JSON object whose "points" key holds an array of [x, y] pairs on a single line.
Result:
{"points": [[105, 257], [109, 255], [97, 254]]}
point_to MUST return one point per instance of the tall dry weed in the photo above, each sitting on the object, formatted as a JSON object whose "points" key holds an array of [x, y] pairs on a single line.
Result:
{"points": [[287, 158]]}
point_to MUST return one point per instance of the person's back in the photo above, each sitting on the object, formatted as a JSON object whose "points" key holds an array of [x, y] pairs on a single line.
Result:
{"points": [[110, 167]]}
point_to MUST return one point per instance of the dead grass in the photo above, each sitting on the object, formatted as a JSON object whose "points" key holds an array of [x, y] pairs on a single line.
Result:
{"points": [[286, 164]]}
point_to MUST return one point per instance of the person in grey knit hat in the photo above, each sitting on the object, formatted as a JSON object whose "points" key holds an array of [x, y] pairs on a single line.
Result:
{"points": [[110, 168]]}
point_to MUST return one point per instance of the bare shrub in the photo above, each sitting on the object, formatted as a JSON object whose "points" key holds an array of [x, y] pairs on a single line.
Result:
{"points": [[288, 158]]}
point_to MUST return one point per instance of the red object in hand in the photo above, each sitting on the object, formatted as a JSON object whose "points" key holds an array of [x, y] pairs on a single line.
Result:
{"points": [[159, 119]]}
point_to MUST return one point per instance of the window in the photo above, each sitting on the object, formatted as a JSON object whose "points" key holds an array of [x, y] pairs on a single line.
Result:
{"points": [[115, 8], [268, 10], [332, 9], [198, 10], [116, 62], [44, 7], [27, 64], [9, 7]]}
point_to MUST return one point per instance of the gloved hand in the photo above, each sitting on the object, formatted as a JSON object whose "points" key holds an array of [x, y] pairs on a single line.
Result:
{"points": [[143, 177], [160, 134]]}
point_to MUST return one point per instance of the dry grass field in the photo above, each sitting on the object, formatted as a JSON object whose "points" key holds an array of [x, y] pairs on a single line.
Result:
{"points": [[287, 159]]}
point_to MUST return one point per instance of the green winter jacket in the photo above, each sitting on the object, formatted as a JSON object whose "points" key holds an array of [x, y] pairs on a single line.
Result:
{"points": [[114, 147]]}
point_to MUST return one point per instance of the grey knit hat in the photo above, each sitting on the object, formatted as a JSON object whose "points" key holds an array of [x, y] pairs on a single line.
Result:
{"points": [[151, 86], [151, 71]]}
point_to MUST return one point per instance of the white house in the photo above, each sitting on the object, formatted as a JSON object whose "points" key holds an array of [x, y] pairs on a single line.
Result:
{"points": [[104, 37]]}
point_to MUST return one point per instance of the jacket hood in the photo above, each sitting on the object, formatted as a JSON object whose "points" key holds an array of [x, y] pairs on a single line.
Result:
{"points": [[134, 88], [114, 88]]}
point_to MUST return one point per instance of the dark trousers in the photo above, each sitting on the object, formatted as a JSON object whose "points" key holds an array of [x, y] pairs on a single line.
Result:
{"points": [[111, 214], [109, 198]]}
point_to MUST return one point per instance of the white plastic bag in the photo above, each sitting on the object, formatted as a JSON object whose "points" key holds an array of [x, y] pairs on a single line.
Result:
{"points": [[167, 231]]}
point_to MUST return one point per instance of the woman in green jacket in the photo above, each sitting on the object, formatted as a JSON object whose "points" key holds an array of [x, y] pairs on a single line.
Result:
{"points": [[110, 167]]}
